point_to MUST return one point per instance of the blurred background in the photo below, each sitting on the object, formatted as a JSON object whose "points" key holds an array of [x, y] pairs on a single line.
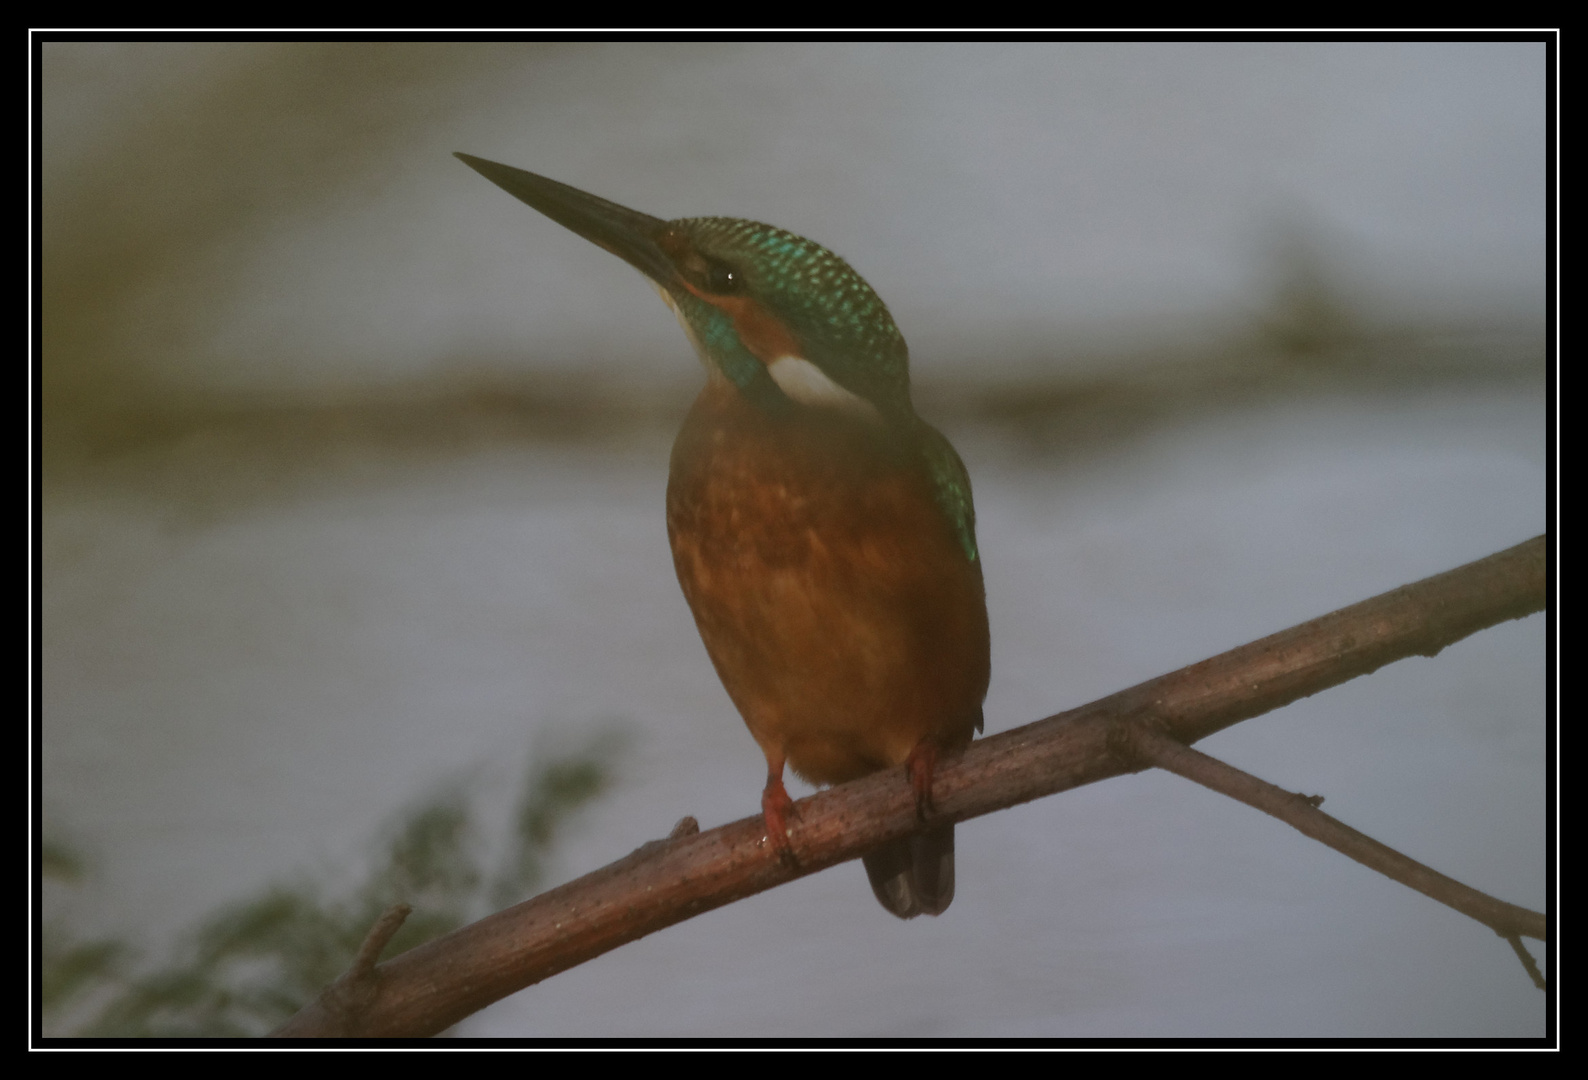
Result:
{"points": [[353, 479]]}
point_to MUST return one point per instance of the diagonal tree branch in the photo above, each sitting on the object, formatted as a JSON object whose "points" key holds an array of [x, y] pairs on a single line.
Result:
{"points": [[430, 988], [1302, 812]]}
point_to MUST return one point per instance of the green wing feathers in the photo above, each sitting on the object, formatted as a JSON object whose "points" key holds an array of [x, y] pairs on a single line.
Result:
{"points": [[950, 486]]}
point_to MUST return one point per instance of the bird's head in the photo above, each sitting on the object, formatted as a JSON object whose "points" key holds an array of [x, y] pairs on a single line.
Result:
{"points": [[781, 317]]}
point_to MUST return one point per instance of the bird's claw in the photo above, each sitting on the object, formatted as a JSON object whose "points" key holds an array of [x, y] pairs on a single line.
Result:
{"points": [[776, 810]]}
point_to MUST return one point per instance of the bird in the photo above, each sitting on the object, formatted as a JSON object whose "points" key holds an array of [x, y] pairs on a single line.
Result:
{"points": [[823, 534]]}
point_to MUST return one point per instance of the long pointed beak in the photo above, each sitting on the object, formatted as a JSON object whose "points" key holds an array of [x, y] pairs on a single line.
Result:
{"points": [[628, 234]]}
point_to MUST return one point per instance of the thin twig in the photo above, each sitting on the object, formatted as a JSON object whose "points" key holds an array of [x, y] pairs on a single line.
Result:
{"points": [[341, 1010], [1302, 813], [432, 987], [1528, 963], [391, 920]]}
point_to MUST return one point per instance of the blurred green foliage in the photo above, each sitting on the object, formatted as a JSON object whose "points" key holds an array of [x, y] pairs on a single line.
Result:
{"points": [[250, 965]]}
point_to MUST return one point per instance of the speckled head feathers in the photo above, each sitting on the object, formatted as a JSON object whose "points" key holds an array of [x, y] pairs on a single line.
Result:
{"points": [[838, 322]]}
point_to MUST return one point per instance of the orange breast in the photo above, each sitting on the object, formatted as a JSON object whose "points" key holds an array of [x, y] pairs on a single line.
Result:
{"points": [[833, 597]]}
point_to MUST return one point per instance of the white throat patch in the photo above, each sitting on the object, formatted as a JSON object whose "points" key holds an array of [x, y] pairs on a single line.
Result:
{"points": [[689, 331], [796, 376], [808, 384]]}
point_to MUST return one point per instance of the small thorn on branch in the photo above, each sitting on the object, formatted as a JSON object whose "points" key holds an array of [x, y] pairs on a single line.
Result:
{"points": [[391, 920], [340, 1008], [687, 826]]}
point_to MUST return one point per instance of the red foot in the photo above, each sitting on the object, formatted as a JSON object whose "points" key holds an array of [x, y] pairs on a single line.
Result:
{"points": [[920, 763], [776, 809]]}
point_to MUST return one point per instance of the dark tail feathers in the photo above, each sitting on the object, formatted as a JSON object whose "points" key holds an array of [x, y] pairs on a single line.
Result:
{"points": [[914, 875]]}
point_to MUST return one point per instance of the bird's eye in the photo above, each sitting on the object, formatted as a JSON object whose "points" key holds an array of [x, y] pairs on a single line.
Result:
{"points": [[723, 279]]}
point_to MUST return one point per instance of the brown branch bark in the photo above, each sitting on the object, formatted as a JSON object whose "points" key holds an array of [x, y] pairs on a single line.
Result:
{"points": [[1528, 963], [430, 988]]}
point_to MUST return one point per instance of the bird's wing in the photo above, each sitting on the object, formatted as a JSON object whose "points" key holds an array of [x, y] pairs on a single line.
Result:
{"points": [[950, 485]]}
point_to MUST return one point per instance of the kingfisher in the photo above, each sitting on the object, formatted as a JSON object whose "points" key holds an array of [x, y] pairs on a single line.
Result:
{"points": [[822, 532]]}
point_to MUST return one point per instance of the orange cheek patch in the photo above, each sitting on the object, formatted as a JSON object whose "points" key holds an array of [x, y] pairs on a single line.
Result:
{"points": [[761, 331]]}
